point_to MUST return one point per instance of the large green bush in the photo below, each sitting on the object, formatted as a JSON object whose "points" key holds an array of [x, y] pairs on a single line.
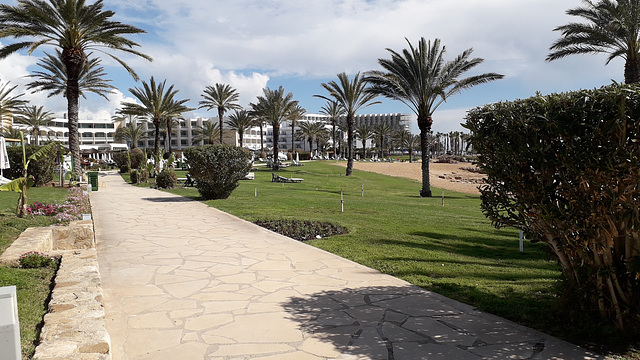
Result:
{"points": [[41, 170], [217, 169], [167, 179], [566, 169], [138, 157], [121, 159]]}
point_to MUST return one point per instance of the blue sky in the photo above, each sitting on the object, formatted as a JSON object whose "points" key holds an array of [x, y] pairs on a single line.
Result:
{"points": [[296, 44]]}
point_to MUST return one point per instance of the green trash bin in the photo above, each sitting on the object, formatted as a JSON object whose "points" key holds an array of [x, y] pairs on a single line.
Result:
{"points": [[93, 180]]}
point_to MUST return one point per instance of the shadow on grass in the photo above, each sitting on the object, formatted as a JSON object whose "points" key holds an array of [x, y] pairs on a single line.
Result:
{"points": [[405, 322], [175, 199]]}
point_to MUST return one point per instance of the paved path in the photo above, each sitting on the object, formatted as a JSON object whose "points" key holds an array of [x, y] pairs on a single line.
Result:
{"points": [[185, 281]]}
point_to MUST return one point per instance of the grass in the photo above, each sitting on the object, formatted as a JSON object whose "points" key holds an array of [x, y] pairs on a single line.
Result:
{"points": [[451, 249], [32, 285]]}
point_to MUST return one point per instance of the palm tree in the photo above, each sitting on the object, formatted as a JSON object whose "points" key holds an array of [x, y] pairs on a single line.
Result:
{"points": [[400, 137], [73, 27], [296, 114], [170, 122], [131, 132], [54, 78], [9, 104], [335, 112], [240, 121], [422, 80], [310, 130], [259, 122], [411, 142], [208, 133], [613, 27], [157, 105], [382, 131], [364, 133], [352, 96], [35, 118], [275, 106], [222, 97], [9, 132]]}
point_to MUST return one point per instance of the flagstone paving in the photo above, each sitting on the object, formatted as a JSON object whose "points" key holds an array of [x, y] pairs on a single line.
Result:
{"points": [[185, 281]]}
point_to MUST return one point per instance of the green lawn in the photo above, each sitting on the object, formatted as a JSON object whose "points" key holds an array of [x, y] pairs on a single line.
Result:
{"points": [[450, 249], [33, 285]]}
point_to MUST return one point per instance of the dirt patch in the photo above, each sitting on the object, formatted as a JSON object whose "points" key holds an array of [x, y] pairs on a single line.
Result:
{"points": [[455, 177]]}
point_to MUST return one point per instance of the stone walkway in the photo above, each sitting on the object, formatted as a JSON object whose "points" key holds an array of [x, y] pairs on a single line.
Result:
{"points": [[185, 281]]}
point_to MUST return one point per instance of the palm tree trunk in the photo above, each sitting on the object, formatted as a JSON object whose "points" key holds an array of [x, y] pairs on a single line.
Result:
{"points": [[364, 149], [632, 70], [261, 139], [169, 134], [424, 123], [156, 144], [220, 116], [333, 136], [276, 138], [241, 134], [293, 145], [350, 123], [72, 125]]}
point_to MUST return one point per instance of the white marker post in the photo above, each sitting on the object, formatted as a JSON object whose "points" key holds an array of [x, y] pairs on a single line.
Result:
{"points": [[521, 241], [443, 198], [255, 191], [341, 201], [362, 195]]}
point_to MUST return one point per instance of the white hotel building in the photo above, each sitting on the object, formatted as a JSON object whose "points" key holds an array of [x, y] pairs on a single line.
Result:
{"points": [[97, 137]]}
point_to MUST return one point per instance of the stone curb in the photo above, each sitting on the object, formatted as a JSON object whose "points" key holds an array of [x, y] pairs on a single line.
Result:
{"points": [[75, 327]]}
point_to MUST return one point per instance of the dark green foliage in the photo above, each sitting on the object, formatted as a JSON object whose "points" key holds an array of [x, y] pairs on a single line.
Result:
{"points": [[34, 260], [41, 170], [565, 168], [121, 159], [302, 229], [167, 179], [217, 169], [138, 158], [124, 168], [134, 177]]}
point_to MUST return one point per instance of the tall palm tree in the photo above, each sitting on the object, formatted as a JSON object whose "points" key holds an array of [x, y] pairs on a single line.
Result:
{"points": [[411, 142], [170, 122], [222, 97], [364, 133], [400, 137], [157, 104], [334, 111], [310, 130], [35, 118], [259, 121], [421, 79], [73, 27], [296, 114], [132, 132], [382, 132], [275, 106], [352, 96], [9, 104], [54, 77], [612, 27], [240, 121], [208, 133]]}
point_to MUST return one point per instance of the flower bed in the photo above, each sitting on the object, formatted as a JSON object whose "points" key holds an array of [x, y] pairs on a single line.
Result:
{"points": [[302, 229], [72, 209]]}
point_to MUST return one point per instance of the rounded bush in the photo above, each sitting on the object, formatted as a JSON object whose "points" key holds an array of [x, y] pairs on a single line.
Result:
{"points": [[41, 170], [217, 169], [124, 168], [137, 157], [134, 177], [34, 259], [167, 179]]}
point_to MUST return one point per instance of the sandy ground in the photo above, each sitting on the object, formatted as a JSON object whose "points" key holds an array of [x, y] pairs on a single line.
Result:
{"points": [[444, 176]]}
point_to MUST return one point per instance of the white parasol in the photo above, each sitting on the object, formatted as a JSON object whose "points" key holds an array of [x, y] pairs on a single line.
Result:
{"points": [[4, 160]]}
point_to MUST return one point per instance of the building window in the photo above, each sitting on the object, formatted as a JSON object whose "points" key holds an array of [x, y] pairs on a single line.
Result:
{"points": [[183, 142]]}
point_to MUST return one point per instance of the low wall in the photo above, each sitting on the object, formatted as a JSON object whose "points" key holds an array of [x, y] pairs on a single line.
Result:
{"points": [[52, 240], [74, 327]]}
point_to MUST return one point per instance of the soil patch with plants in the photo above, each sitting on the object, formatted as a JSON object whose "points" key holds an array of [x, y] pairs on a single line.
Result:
{"points": [[302, 230]]}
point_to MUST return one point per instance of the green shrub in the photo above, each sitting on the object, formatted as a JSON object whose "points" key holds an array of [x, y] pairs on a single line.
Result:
{"points": [[143, 175], [167, 179], [41, 170], [138, 158], [134, 177], [124, 168], [217, 169], [121, 159], [564, 167], [34, 259]]}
